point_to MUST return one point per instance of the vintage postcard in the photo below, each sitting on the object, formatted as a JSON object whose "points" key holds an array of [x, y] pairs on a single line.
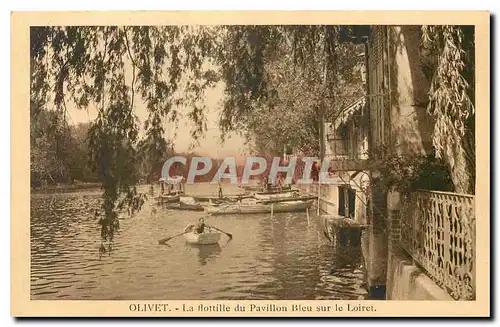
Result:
{"points": [[250, 164]]}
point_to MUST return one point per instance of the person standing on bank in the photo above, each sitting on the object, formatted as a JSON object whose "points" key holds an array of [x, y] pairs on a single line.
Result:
{"points": [[220, 190]]}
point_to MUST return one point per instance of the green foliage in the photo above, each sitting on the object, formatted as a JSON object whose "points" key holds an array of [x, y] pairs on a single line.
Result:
{"points": [[406, 173], [450, 52], [281, 79], [81, 166], [50, 142], [59, 152], [276, 78], [242, 52], [109, 68]]}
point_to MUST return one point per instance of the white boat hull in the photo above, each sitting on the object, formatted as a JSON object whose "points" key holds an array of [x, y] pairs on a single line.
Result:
{"points": [[203, 238], [291, 206], [167, 199], [274, 195]]}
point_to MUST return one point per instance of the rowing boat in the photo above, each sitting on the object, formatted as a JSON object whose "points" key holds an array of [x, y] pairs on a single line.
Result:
{"points": [[290, 206], [233, 198], [168, 198], [275, 190], [184, 206], [205, 238], [185, 203]]}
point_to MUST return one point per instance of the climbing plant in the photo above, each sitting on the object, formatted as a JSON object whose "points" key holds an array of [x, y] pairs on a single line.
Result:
{"points": [[451, 98], [405, 173]]}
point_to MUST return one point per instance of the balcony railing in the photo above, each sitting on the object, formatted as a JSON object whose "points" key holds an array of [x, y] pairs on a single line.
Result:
{"points": [[438, 231]]}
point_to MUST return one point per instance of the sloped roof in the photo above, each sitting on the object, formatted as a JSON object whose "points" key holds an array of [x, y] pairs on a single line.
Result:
{"points": [[348, 111]]}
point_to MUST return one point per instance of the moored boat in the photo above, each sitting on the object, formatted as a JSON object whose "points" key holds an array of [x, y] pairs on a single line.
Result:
{"points": [[205, 238], [290, 206], [232, 198], [250, 188], [184, 206], [168, 198], [275, 194], [293, 198]]}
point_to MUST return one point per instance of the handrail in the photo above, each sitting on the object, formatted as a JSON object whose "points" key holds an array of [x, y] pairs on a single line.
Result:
{"points": [[438, 232], [447, 193]]}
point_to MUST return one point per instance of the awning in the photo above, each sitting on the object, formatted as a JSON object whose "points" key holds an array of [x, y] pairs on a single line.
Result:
{"points": [[348, 111]]}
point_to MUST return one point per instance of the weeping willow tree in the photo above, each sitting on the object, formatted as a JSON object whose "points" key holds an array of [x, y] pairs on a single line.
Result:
{"points": [[111, 68], [452, 99], [167, 70]]}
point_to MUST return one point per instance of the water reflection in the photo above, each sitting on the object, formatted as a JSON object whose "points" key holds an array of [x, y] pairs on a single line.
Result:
{"points": [[206, 253], [105, 249]]}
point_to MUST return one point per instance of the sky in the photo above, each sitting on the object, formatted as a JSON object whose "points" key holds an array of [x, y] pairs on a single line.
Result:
{"points": [[209, 145]]}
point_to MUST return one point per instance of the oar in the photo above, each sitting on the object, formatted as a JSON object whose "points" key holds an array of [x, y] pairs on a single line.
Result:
{"points": [[165, 240], [228, 234]]}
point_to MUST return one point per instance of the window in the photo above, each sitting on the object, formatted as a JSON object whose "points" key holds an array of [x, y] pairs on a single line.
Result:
{"points": [[347, 201], [339, 142]]}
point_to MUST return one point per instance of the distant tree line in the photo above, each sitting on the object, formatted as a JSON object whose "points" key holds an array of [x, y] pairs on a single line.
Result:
{"points": [[59, 151]]}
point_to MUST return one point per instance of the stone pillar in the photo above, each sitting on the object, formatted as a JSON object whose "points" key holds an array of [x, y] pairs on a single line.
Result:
{"points": [[360, 210], [394, 219], [375, 241]]}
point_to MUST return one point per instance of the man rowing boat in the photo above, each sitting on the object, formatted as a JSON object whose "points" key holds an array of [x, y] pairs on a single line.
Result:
{"points": [[200, 227]]}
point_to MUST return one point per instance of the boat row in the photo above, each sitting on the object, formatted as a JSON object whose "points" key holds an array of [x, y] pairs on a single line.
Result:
{"points": [[258, 207], [258, 202], [252, 202], [206, 238]]}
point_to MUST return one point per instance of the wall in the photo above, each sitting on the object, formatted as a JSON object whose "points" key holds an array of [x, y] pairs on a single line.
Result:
{"points": [[373, 239], [411, 129], [328, 195], [390, 273], [398, 90], [411, 125], [408, 282]]}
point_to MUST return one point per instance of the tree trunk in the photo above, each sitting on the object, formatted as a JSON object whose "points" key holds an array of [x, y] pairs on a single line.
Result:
{"points": [[462, 173]]}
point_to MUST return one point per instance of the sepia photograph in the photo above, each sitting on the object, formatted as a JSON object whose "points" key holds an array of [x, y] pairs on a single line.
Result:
{"points": [[257, 169]]}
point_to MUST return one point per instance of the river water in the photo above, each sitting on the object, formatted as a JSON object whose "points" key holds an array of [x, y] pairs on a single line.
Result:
{"points": [[284, 257]]}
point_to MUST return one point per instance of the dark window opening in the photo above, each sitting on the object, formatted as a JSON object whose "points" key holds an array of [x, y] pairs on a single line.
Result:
{"points": [[347, 201], [339, 141]]}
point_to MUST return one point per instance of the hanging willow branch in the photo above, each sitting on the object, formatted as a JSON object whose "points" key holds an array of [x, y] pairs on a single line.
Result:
{"points": [[112, 68], [451, 93]]}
